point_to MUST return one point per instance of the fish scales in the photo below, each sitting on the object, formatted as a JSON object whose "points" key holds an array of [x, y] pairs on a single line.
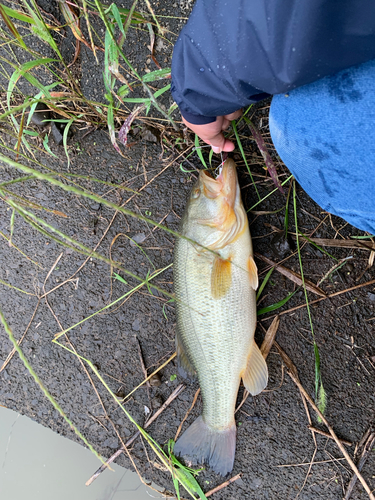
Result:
{"points": [[217, 334], [215, 281]]}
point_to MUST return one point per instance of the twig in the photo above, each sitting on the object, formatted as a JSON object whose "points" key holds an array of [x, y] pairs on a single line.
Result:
{"points": [[223, 485], [269, 338], [293, 276], [85, 262], [364, 456], [309, 463], [292, 372], [187, 413], [325, 242], [144, 371], [74, 349], [328, 435], [174, 395]]}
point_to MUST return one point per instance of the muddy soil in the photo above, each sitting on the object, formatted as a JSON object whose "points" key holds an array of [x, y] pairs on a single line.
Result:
{"points": [[273, 439]]}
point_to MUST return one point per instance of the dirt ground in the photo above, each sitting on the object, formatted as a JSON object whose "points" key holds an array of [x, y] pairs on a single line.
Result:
{"points": [[274, 444]]}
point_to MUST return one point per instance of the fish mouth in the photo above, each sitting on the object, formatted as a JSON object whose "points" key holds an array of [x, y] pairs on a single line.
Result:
{"points": [[225, 183]]}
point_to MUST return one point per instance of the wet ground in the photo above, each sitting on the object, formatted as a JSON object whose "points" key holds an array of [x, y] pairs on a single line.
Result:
{"points": [[274, 443]]}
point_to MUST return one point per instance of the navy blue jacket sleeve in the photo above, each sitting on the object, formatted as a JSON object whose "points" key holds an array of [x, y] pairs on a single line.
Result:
{"points": [[232, 53]]}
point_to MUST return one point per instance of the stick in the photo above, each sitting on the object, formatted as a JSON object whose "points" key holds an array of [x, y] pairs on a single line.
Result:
{"points": [[144, 371], [223, 485], [293, 276], [174, 395], [364, 456], [292, 372], [187, 413], [328, 435]]}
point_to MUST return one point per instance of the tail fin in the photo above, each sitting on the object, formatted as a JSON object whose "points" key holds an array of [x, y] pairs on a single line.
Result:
{"points": [[202, 444]]}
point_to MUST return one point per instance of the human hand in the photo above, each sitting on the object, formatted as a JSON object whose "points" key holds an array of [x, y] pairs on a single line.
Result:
{"points": [[211, 133]]}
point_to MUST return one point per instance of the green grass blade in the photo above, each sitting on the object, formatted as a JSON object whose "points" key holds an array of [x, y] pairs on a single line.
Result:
{"points": [[264, 283], [22, 70], [142, 100], [276, 306], [15, 288], [234, 126], [269, 194], [199, 151], [321, 249], [367, 237], [319, 389], [46, 146], [65, 139], [286, 218], [159, 74], [39, 27], [15, 14], [11, 27], [159, 92], [11, 227]]}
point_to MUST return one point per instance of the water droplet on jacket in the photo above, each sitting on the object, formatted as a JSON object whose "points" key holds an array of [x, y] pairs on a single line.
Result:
{"points": [[218, 66], [293, 49], [223, 67], [201, 69]]}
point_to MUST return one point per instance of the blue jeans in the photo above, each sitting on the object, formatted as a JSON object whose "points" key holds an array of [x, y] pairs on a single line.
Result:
{"points": [[324, 132]]}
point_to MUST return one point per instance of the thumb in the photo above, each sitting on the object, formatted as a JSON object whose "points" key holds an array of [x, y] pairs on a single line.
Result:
{"points": [[219, 144]]}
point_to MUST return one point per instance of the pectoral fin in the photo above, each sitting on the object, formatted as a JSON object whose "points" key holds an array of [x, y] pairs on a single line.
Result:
{"points": [[221, 278], [185, 368], [255, 376], [253, 272]]}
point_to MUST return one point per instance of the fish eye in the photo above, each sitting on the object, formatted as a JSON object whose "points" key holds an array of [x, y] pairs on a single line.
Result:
{"points": [[196, 193]]}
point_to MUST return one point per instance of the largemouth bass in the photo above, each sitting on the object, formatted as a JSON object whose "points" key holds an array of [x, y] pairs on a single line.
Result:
{"points": [[215, 281]]}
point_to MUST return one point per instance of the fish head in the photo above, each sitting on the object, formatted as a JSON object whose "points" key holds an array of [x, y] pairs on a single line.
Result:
{"points": [[215, 202]]}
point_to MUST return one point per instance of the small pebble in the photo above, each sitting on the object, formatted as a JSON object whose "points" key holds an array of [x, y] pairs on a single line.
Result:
{"points": [[41, 115], [281, 246], [56, 134], [149, 135], [155, 380], [137, 238], [95, 206], [349, 267], [120, 394], [157, 402], [136, 326]]}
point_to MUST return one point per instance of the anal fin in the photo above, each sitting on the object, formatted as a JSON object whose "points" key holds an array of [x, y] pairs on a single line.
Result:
{"points": [[255, 376], [185, 368]]}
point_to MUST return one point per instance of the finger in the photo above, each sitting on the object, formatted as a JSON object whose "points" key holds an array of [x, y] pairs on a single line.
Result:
{"points": [[227, 146], [234, 115], [217, 142], [225, 124]]}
